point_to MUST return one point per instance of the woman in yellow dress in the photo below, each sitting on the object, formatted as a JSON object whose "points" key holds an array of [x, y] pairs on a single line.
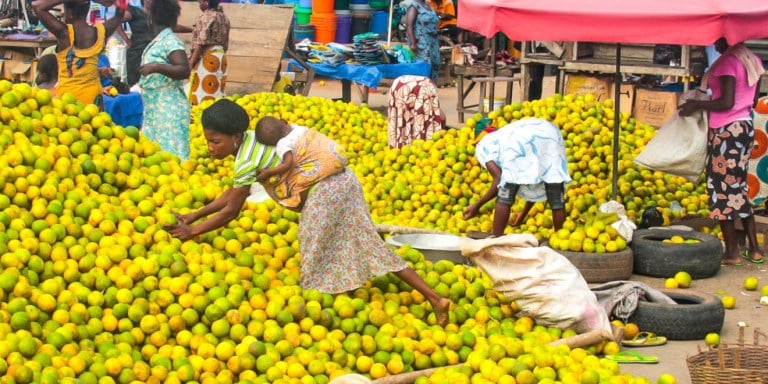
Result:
{"points": [[79, 45]]}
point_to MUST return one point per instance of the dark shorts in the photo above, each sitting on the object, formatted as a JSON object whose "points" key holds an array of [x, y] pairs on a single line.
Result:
{"points": [[555, 194]]}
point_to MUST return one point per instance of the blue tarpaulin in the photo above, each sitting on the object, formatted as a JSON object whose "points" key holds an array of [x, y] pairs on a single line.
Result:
{"points": [[367, 75]]}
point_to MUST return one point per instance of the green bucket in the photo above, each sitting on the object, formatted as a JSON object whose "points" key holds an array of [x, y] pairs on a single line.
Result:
{"points": [[302, 15]]}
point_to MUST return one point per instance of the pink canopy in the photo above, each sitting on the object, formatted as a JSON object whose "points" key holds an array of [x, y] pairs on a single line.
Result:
{"points": [[688, 22]]}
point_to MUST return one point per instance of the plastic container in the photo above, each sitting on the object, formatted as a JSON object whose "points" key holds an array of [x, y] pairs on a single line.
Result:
{"points": [[358, 2], [325, 27], [305, 4], [343, 28], [379, 22], [341, 4], [294, 2], [303, 15], [306, 31], [360, 7], [361, 22], [322, 6], [379, 4]]}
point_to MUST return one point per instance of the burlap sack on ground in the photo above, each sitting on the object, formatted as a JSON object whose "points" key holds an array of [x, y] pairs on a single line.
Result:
{"points": [[544, 284]]}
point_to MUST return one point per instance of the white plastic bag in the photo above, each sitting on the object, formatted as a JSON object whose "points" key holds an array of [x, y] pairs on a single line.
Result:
{"points": [[543, 283], [680, 145], [624, 226]]}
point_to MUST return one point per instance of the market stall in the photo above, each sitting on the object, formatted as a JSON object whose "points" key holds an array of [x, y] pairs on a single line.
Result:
{"points": [[653, 21]]}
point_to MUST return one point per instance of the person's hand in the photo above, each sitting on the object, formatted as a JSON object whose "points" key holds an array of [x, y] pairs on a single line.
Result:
{"points": [[187, 218], [262, 175], [180, 231], [518, 220], [148, 69], [688, 108], [106, 72], [471, 211]]}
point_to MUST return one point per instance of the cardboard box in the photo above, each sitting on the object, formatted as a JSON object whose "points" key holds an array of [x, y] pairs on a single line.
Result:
{"points": [[654, 107], [17, 66], [600, 87], [627, 97]]}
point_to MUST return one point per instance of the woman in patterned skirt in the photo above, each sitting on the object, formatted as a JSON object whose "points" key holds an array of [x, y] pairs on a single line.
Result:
{"points": [[164, 66], [733, 79], [413, 110], [340, 247], [210, 39]]}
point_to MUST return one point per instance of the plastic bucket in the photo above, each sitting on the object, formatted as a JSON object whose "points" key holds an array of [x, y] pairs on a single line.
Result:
{"points": [[325, 27], [305, 4], [360, 7], [302, 15], [378, 4], [358, 2], [361, 22], [498, 103], [341, 4], [343, 29], [379, 22], [306, 31], [322, 6]]}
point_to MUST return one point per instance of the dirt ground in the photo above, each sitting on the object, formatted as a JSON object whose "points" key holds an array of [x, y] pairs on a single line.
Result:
{"points": [[672, 356]]}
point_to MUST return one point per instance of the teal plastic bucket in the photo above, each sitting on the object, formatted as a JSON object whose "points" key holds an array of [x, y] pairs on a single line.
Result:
{"points": [[301, 32]]}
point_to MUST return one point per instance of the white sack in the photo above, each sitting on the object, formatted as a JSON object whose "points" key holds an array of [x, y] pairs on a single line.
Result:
{"points": [[680, 145], [543, 283]]}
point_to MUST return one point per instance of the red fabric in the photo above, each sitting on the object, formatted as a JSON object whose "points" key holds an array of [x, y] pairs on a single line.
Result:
{"points": [[687, 22]]}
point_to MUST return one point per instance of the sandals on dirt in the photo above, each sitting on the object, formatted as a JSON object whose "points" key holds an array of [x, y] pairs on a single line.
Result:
{"points": [[750, 256], [632, 357], [645, 339]]}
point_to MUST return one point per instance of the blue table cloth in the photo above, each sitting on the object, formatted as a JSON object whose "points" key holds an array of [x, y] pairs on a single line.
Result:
{"points": [[125, 109], [367, 75]]}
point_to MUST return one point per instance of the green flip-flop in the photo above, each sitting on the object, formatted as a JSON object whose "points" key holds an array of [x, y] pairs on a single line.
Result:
{"points": [[645, 339], [747, 255], [632, 357]]}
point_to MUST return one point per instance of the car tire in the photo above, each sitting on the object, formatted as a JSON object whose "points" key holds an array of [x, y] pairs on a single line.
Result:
{"points": [[602, 267], [694, 316], [652, 257]]}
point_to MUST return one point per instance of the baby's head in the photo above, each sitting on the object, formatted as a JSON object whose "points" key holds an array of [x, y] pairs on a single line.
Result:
{"points": [[270, 130]]}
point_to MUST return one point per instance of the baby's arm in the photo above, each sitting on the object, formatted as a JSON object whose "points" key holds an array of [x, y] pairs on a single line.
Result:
{"points": [[283, 167]]}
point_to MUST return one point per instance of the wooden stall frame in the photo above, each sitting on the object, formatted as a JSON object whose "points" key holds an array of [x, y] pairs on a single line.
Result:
{"points": [[259, 36]]}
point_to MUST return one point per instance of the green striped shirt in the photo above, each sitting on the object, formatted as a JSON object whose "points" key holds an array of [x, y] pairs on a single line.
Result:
{"points": [[251, 157]]}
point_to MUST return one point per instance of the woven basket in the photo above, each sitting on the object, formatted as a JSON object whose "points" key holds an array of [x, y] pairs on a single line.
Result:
{"points": [[737, 364]]}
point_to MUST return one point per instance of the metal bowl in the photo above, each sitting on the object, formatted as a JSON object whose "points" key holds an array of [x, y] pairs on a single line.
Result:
{"points": [[434, 247]]}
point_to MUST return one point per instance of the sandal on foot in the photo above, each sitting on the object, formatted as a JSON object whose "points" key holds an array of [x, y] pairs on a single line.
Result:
{"points": [[645, 339], [747, 255], [632, 357], [724, 263]]}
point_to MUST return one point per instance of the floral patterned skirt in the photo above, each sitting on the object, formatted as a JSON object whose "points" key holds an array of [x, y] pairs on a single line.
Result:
{"points": [[340, 248], [728, 151], [413, 110]]}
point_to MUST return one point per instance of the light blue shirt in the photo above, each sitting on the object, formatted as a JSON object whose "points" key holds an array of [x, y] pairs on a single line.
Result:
{"points": [[529, 152]]}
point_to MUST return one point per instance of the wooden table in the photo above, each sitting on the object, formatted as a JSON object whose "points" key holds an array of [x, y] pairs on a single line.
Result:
{"points": [[38, 45]]}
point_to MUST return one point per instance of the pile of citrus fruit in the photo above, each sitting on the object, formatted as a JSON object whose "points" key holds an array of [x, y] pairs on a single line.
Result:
{"points": [[93, 289]]}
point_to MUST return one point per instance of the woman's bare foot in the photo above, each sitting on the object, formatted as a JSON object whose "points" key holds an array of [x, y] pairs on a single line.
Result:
{"points": [[733, 262], [441, 311]]}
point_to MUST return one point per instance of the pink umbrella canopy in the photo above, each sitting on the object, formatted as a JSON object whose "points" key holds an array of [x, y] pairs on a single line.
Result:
{"points": [[687, 22]]}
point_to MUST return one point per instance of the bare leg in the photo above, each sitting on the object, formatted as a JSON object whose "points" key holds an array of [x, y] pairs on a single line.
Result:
{"points": [[439, 304], [500, 218], [558, 218], [754, 248], [731, 255], [522, 215]]}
